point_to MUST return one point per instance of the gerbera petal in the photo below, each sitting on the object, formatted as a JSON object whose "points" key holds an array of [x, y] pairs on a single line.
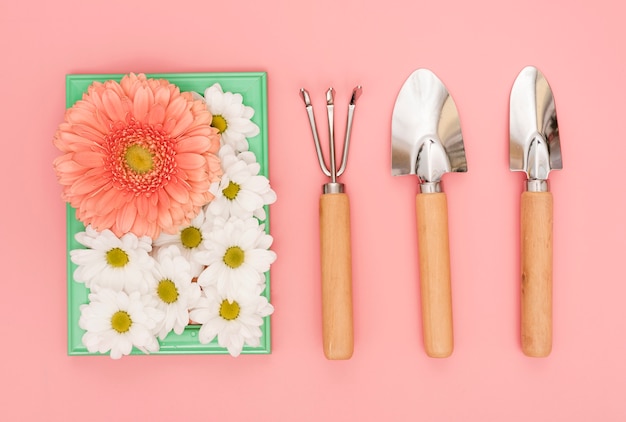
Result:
{"points": [[81, 114], [175, 110], [66, 165], [182, 124], [75, 142], [141, 103], [107, 201], [177, 191], [88, 183], [156, 114], [126, 217], [102, 222], [141, 225], [192, 144], [92, 134], [190, 161], [113, 106], [88, 158], [162, 96], [143, 206], [164, 215]]}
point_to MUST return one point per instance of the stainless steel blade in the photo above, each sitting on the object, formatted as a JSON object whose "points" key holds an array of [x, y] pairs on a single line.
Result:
{"points": [[535, 146], [426, 137]]}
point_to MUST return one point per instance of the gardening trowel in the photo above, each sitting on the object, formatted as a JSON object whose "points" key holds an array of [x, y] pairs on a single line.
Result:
{"points": [[426, 141], [535, 149]]}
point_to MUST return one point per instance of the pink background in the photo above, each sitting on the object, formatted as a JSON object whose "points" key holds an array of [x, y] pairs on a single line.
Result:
{"points": [[477, 48]]}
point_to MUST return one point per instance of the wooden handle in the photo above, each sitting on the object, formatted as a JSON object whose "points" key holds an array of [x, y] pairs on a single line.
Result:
{"points": [[536, 266], [434, 259], [336, 259]]}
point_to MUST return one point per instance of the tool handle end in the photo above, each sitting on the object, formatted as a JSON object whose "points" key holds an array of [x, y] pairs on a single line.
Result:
{"points": [[434, 261], [536, 278], [336, 260]]}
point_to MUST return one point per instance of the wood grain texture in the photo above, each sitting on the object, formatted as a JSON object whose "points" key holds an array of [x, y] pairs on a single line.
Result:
{"points": [[536, 268], [336, 260], [435, 285]]}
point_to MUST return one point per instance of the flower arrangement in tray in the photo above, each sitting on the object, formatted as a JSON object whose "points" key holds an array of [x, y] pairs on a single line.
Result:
{"points": [[173, 246]]}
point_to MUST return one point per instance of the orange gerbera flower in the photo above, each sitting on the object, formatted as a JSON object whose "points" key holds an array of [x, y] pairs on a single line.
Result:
{"points": [[139, 156]]}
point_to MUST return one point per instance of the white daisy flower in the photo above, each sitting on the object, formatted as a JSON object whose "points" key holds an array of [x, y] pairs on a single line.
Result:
{"points": [[237, 256], [231, 117], [235, 321], [111, 262], [189, 240], [117, 321], [173, 290], [241, 192]]}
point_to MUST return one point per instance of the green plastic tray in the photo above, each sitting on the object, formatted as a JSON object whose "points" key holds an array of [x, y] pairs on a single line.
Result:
{"points": [[253, 87]]}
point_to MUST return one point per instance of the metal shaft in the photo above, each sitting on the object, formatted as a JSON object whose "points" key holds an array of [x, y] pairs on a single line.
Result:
{"points": [[330, 108]]}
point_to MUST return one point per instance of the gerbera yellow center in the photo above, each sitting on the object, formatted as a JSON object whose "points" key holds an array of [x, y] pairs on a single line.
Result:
{"points": [[167, 291], [121, 322], [191, 237], [231, 190], [139, 159], [219, 123], [117, 258], [234, 257], [229, 310]]}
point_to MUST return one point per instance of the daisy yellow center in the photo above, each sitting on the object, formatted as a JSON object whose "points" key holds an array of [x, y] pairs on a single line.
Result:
{"points": [[167, 291], [139, 158], [121, 322], [229, 310], [191, 237], [219, 123], [231, 190], [234, 257], [117, 258]]}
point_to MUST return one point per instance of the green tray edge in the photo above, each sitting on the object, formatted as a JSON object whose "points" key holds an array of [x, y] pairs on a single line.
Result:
{"points": [[253, 87]]}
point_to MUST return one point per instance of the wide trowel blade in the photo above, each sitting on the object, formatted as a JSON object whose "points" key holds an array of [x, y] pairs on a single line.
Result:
{"points": [[424, 110], [533, 113]]}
